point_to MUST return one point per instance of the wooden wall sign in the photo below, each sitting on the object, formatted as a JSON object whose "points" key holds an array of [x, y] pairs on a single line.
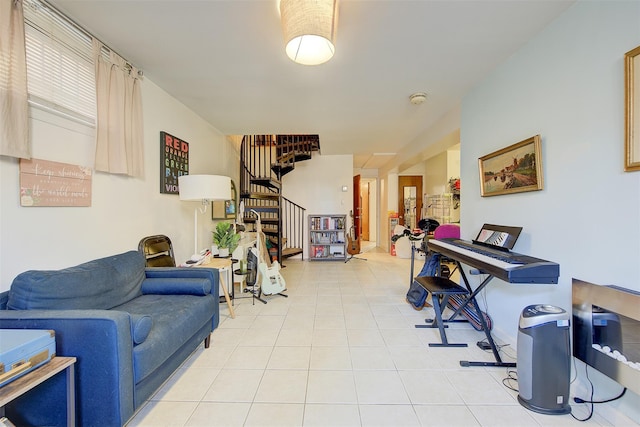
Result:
{"points": [[174, 162], [46, 183]]}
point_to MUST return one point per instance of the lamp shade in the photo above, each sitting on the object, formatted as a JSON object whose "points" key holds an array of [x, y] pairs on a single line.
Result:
{"points": [[309, 29], [204, 187]]}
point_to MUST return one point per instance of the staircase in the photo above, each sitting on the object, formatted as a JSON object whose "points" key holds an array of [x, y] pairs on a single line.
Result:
{"points": [[264, 160]]}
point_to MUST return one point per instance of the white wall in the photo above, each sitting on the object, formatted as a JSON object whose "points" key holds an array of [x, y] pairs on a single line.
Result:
{"points": [[392, 193], [453, 162], [383, 222], [123, 209], [566, 85], [316, 185], [436, 174], [372, 186], [388, 203]]}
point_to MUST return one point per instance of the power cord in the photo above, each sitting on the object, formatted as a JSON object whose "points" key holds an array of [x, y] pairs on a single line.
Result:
{"points": [[586, 371], [579, 400], [511, 376], [591, 401]]}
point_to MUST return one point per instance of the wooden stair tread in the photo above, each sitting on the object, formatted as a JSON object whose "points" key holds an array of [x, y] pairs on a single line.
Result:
{"points": [[257, 195], [289, 252], [251, 219], [267, 182], [259, 208], [286, 157]]}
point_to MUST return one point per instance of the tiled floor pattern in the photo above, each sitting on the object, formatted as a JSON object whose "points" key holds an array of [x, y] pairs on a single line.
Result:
{"points": [[342, 350]]}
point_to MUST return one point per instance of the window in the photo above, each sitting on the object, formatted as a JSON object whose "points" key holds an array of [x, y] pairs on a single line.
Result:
{"points": [[60, 69]]}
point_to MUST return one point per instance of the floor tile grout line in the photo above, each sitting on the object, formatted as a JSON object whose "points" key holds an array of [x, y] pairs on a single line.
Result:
{"points": [[370, 304]]}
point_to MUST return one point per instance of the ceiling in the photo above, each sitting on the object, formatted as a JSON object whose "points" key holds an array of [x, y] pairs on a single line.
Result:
{"points": [[225, 60]]}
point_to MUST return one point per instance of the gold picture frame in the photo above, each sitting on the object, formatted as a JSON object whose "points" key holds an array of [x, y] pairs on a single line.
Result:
{"points": [[632, 110], [514, 169], [225, 209]]}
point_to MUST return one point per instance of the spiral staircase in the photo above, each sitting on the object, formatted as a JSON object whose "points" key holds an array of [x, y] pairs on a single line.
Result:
{"points": [[264, 160]]}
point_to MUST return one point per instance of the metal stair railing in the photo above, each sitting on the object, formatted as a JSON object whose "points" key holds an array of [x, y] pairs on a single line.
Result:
{"points": [[260, 187], [293, 226], [257, 154], [293, 148]]}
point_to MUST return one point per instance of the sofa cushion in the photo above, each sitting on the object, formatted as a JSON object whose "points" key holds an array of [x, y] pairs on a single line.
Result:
{"points": [[98, 284], [175, 318], [140, 327]]}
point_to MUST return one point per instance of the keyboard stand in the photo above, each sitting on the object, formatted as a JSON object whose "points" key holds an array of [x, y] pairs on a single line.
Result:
{"points": [[485, 328]]}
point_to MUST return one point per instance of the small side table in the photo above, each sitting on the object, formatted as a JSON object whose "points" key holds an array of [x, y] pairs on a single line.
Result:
{"points": [[20, 386], [224, 266]]}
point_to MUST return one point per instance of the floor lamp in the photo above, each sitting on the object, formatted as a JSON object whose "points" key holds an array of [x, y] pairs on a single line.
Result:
{"points": [[205, 189]]}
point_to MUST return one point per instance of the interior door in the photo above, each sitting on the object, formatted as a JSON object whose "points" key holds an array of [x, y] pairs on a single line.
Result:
{"points": [[357, 207], [409, 200], [364, 196]]}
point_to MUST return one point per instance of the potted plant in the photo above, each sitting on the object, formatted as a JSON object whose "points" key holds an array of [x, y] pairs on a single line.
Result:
{"points": [[225, 238]]}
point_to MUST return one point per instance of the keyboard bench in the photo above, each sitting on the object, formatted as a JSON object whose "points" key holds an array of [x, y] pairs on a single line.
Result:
{"points": [[441, 289]]}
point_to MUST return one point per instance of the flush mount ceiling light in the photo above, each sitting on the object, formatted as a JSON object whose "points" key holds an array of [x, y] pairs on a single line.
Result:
{"points": [[309, 28], [418, 98]]}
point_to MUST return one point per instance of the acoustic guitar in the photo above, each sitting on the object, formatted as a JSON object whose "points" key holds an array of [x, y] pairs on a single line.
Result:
{"points": [[353, 246]]}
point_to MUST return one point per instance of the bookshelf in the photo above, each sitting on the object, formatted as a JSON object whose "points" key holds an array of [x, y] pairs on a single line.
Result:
{"points": [[327, 237]]}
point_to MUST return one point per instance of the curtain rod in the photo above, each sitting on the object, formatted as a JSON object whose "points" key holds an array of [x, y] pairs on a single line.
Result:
{"points": [[80, 28]]}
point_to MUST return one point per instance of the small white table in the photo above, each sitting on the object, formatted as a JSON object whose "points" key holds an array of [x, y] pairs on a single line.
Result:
{"points": [[224, 268]]}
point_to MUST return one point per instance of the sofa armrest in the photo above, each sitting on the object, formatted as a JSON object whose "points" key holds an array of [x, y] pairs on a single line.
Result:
{"points": [[102, 343], [4, 299], [186, 273]]}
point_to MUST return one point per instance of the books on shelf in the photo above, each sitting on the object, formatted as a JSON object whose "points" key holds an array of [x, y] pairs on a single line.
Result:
{"points": [[327, 223], [322, 238], [327, 237], [320, 251]]}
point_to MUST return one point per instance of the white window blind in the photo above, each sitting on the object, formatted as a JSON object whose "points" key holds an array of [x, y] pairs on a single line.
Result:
{"points": [[60, 69]]}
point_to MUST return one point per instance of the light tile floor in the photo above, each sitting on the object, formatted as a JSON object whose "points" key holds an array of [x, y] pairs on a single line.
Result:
{"points": [[342, 350]]}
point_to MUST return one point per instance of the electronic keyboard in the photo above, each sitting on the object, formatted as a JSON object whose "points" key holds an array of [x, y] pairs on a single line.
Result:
{"points": [[505, 265]]}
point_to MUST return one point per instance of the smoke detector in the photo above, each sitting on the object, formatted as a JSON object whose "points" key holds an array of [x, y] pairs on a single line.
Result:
{"points": [[418, 98]]}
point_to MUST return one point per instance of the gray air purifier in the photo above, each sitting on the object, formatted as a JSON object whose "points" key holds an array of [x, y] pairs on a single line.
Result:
{"points": [[544, 364]]}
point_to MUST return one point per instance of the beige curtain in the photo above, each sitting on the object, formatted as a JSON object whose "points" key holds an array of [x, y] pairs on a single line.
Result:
{"points": [[14, 117], [119, 135]]}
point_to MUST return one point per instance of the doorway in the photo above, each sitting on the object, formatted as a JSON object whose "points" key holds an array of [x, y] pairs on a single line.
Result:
{"points": [[409, 200], [368, 200], [364, 198]]}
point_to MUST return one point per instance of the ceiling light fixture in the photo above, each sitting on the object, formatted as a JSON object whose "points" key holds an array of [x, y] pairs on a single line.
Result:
{"points": [[418, 98], [309, 29]]}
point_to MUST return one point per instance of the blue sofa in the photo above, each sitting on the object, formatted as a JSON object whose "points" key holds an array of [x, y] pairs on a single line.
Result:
{"points": [[129, 327]]}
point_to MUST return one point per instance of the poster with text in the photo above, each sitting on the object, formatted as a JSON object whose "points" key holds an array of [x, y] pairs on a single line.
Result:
{"points": [[47, 183], [174, 162]]}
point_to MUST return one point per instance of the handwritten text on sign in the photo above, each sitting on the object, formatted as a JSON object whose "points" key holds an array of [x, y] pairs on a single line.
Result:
{"points": [[46, 183]]}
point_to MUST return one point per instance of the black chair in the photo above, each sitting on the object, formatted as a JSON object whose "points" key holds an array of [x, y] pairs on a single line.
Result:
{"points": [[157, 251]]}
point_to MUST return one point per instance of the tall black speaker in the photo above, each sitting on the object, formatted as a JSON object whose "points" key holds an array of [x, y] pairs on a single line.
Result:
{"points": [[544, 359]]}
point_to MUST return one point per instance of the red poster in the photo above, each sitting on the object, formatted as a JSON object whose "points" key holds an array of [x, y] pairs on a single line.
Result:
{"points": [[174, 162]]}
